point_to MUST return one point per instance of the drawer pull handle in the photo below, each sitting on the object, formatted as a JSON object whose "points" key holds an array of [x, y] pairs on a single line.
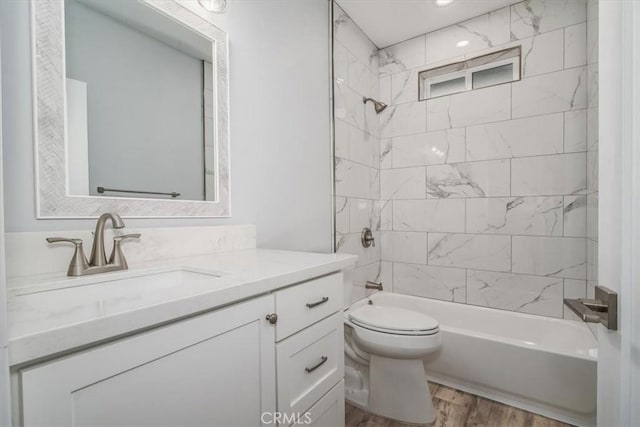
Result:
{"points": [[317, 303], [322, 361]]}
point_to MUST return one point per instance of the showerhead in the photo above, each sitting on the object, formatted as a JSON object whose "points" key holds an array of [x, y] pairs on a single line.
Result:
{"points": [[377, 105]]}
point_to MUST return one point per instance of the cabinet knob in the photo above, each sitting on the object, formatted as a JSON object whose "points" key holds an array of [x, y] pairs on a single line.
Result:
{"points": [[272, 318]]}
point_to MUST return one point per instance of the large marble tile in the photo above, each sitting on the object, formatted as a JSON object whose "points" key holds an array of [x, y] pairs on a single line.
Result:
{"points": [[351, 244], [402, 56], [341, 137], [363, 274], [592, 32], [362, 79], [362, 147], [385, 207], [592, 260], [386, 275], [442, 283], [549, 93], [542, 53], [485, 31], [575, 216], [485, 105], [575, 45], [539, 216], [478, 179], [550, 256], [478, 251], [540, 16], [575, 131], [342, 214], [362, 213], [592, 171], [404, 247], [404, 87], [340, 63], [592, 128], [592, 215], [349, 35], [405, 183], [386, 156], [374, 173], [514, 292], [529, 136], [431, 148], [385, 89], [429, 215], [574, 289], [352, 179], [559, 174], [403, 119], [348, 106]]}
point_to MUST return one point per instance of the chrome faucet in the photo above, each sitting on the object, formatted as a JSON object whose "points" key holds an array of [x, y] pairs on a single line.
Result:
{"points": [[97, 263], [373, 285], [98, 257]]}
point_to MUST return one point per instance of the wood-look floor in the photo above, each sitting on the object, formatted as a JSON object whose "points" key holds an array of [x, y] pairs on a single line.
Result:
{"points": [[458, 409]]}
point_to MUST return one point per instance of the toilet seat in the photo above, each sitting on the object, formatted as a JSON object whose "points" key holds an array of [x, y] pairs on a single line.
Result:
{"points": [[393, 320]]}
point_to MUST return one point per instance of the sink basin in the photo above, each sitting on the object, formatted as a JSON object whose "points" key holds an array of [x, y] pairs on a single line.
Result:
{"points": [[99, 296], [109, 287]]}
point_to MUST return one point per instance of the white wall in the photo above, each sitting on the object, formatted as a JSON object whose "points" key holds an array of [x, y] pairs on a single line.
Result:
{"points": [[4, 372], [280, 124]]}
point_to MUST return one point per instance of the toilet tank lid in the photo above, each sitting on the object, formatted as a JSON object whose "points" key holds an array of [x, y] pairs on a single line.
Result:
{"points": [[392, 318]]}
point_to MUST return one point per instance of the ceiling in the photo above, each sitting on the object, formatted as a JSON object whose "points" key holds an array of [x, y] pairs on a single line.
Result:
{"points": [[388, 22]]}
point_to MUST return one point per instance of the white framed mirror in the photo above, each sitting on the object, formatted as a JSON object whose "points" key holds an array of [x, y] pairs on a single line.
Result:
{"points": [[132, 110]]}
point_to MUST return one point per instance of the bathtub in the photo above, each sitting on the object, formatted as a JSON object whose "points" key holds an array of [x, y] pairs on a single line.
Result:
{"points": [[539, 364]]}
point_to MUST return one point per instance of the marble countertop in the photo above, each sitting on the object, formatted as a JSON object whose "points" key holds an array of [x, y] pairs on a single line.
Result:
{"points": [[51, 314]]}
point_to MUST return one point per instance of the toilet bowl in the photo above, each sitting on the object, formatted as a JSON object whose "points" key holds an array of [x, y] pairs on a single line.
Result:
{"points": [[392, 342]]}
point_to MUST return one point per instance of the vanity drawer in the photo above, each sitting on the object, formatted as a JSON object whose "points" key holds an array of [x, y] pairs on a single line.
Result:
{"points": [[302, 305], [328, 411], [309, 364]]}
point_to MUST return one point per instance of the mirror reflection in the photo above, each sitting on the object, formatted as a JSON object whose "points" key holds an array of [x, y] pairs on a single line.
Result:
{"points": [[139, 103]]}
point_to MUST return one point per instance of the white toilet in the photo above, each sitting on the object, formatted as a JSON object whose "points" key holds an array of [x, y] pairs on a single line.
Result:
{"points": [[391, 340]]}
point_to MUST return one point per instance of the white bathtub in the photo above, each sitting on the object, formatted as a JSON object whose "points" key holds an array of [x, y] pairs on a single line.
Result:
{"points": [[543, 365]]}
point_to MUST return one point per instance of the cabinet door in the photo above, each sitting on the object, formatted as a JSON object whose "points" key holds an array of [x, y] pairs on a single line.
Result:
{"points": [[327, 412], [216, 369]]}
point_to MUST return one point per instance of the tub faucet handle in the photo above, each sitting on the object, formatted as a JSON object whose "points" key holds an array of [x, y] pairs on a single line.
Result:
{"points": [[367, 238]]}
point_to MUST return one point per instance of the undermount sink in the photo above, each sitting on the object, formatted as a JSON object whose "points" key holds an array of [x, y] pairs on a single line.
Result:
{"points": [[121, 291]]}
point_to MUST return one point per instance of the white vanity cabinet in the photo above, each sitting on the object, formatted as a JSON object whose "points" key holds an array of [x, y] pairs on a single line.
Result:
{"points": [[225, 367], [216, 369]]}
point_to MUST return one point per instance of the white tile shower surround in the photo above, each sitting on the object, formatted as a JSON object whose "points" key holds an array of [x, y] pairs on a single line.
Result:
{"points": [[357, 181], [486, 197]]}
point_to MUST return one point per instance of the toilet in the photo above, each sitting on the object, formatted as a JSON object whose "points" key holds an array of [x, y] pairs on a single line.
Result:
{"points": [[385, 346]]}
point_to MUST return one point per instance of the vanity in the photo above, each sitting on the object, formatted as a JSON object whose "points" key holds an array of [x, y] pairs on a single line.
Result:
{"points": [[196, 327], [237, 338]]}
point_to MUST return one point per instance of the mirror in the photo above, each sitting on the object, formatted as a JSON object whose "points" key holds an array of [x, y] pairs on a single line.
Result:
{"points": [[144, 123], [139, 114]]}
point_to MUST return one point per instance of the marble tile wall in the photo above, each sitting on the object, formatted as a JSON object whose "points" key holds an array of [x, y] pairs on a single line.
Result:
{"points": [[487, 197], [357, 181], [592, 146]]}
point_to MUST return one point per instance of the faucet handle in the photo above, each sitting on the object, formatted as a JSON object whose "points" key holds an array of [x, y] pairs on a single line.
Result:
{"points": [[79, 261], [117, 256], [126, 236], [64, 239]]}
